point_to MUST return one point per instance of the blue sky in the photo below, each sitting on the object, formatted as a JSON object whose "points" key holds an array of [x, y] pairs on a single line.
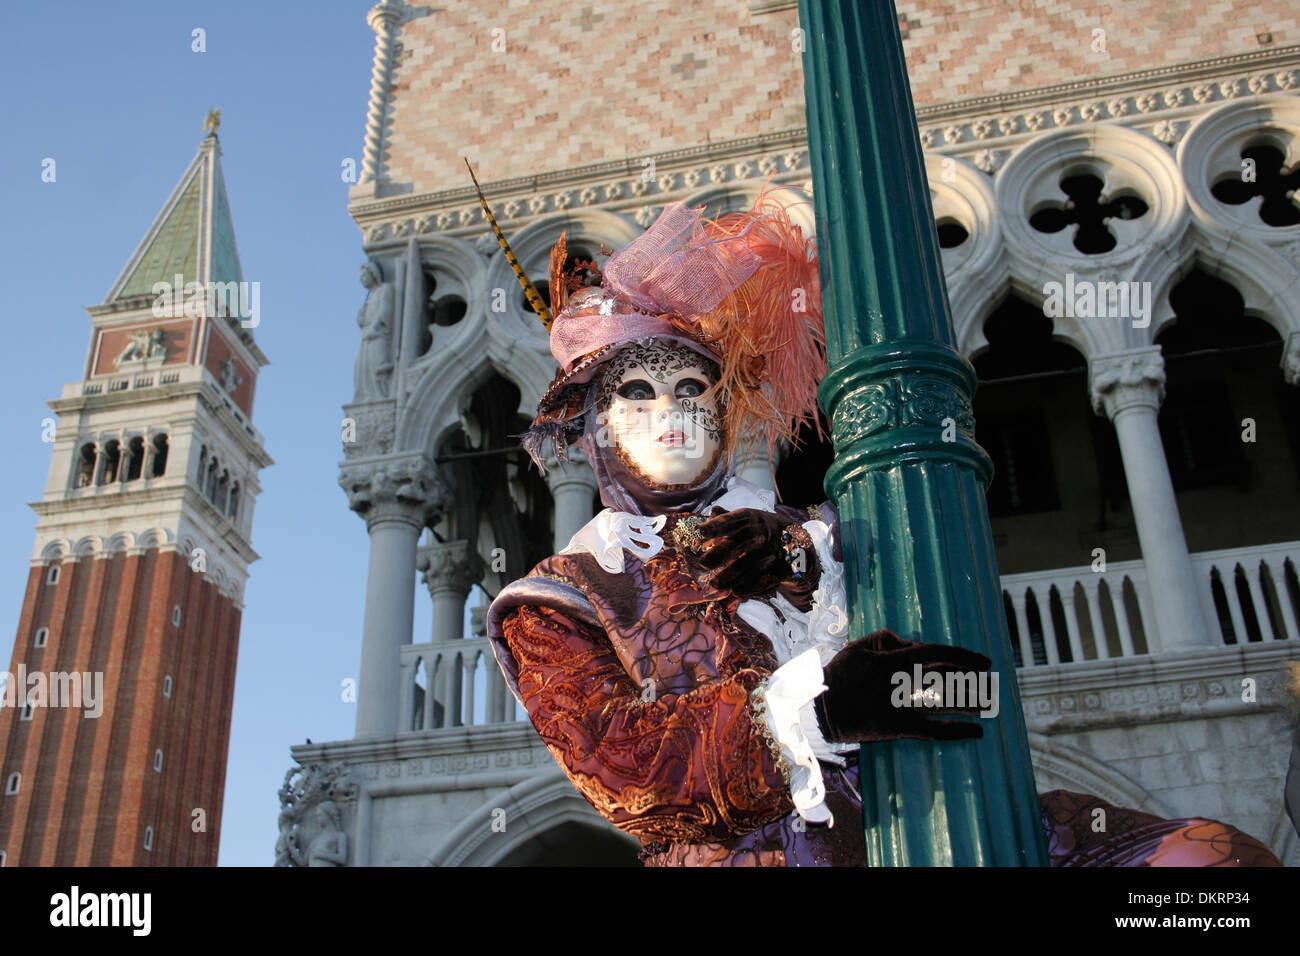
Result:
{"points": [[114, 93]]}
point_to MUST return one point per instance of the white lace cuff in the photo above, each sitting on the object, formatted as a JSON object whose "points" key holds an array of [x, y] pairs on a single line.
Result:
{"points": [[789, 715]]}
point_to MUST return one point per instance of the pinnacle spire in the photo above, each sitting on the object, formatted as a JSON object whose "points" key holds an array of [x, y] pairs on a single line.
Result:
{"points": [[192, 235]]}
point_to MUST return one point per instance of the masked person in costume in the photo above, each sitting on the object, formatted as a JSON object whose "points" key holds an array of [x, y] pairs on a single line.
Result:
{"points": [[686, 658]]}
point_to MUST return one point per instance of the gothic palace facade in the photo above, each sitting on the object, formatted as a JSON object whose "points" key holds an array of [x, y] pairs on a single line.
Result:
{"points": [[1112, 194]]}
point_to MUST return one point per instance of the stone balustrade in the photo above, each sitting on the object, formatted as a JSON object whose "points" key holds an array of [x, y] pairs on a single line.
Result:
{"points": [[1069, 615]]}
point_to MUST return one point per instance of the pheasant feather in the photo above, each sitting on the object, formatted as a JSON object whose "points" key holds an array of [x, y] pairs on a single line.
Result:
{"points": [[530, 291]]}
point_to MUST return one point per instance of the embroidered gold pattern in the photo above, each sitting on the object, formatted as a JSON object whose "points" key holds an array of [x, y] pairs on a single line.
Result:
{"points": [[759, 715]]}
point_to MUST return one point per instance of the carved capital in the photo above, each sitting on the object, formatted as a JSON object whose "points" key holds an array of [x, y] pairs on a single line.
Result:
{"points": [[453, 566], [573, 470], [1127, 380], [1291, 359], [394, 489]]}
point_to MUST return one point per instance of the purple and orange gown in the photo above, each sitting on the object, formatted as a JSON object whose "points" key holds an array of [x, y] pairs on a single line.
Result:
{"points": [[640, 683]]}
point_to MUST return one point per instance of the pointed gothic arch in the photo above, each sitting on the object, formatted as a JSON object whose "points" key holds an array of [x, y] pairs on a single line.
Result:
{"points": [[1058, 766], [1264, 278], [976, 270], [530, 811]]}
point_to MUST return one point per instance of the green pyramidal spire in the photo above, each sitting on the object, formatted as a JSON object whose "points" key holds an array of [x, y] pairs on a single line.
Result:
{"points": [[192, 235]]}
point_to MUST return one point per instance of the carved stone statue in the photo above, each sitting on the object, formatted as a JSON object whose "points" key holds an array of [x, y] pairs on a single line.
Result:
{"points": [[330, 845], [144, 346], [230, 378], [374, 358], [311, 820], [287, 850]]}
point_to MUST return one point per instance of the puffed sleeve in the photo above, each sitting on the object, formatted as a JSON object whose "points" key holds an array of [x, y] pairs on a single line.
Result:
{"points": [[694, 767]]}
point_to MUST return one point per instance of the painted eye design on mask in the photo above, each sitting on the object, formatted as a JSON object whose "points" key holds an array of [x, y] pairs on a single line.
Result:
{"points": [[691, 388], [637, 390]]}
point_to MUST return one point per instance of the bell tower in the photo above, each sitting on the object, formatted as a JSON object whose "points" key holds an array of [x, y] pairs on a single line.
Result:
{"points": [[116, 710]]}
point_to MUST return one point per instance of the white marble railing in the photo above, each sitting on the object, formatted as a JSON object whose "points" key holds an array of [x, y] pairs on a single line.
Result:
{"points": [[1077, 614], [468, 689], [1057, 616], [1252, 593]]}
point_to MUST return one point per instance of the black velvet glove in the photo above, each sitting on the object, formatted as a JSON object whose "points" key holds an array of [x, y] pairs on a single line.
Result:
{"points": [[857, 704], [746, 550]]}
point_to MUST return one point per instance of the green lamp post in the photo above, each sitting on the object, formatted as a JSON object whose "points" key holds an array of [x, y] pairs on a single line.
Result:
{"points": [[908, 477]]}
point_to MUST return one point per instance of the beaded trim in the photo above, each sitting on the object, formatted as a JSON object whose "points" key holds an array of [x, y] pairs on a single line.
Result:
{"points": [[686, 533], [796, 541], [758, 699], [558, 577]]}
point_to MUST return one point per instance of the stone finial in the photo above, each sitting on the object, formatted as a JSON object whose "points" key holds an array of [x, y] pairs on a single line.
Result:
{"points": [[384, 18]]}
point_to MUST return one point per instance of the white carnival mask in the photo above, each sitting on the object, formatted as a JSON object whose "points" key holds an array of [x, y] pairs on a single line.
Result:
{"points": [[660, 413]]}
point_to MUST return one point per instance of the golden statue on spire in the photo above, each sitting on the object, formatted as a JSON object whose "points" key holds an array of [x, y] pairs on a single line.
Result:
{"points": [[212, 121]]}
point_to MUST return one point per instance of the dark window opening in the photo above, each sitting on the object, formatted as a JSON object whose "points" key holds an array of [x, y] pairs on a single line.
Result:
{"points": [[801, 476], [1111, 478], [1202, 437], [1088, 210], [1211, 344], [86, 466], [135, 459], [449, 310], [1024, 480], [1023, 369], [951, 233], [1263, 175], [159, 467]]}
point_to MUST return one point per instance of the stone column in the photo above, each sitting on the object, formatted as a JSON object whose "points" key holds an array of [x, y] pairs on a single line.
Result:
{"points": [[753, 465], [101, 462], [450, 570], [1128, 387], [397, 496], [572, 486], [124, 457]]}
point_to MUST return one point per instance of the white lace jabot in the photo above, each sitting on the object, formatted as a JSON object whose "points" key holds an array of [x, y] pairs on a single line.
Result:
{"points": [[610, 532]]}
